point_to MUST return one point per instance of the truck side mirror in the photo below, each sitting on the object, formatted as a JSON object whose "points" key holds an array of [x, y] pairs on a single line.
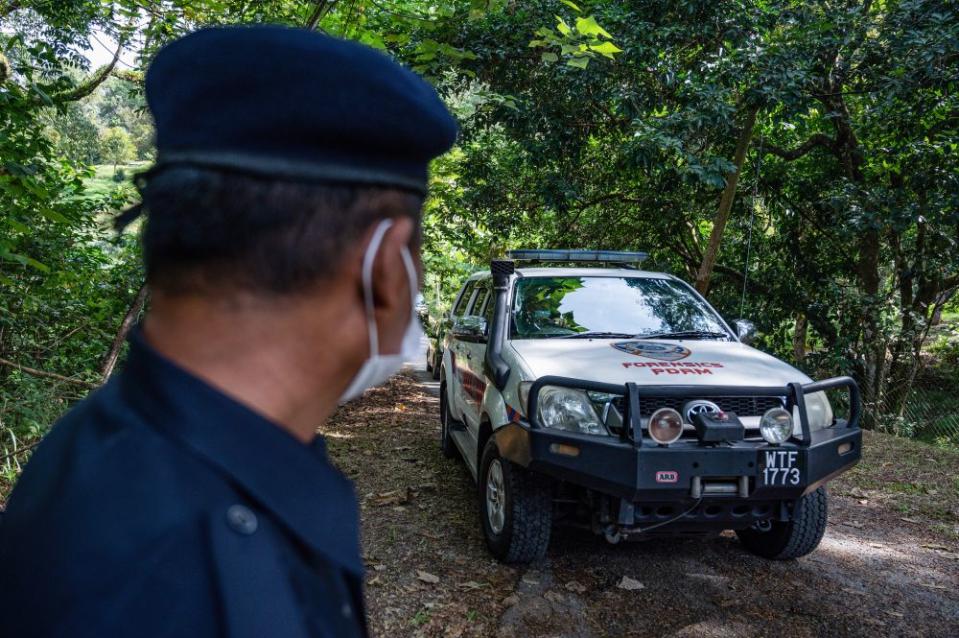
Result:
{"points": [[745, 330], [470, 328]]}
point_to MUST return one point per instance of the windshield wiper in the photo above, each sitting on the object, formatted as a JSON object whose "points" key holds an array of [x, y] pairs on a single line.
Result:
{"points": [[685, 334], [598, 334]]}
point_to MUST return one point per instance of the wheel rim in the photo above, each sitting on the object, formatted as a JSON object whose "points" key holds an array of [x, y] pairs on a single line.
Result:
{"points": [[495, 497]]}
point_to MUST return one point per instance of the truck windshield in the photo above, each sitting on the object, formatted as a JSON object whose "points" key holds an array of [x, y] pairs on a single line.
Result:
{"points": [[610, 307]]}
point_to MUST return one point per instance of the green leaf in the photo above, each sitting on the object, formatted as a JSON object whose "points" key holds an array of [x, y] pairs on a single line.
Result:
{"points": [[588, 26], [17, 226], [373, 40], [550, 57], [562, 27], [572, 6], [46, 99], [579, 63], [23, 259], [607, 49], [54, 216]]}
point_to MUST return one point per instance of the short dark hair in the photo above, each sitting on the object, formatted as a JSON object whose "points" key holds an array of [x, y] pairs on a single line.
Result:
{"points": [[208, 229]]}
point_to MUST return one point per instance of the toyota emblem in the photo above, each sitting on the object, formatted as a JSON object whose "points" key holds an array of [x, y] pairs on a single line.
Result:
{"points": [[700, 406]]}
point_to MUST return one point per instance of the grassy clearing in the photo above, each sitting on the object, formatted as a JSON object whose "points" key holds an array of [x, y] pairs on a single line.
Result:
{"points": [[102, 183], [917, 480]]}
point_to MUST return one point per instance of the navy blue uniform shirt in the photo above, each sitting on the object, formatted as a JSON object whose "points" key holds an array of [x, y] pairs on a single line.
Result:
{"points": [[161, 507]]}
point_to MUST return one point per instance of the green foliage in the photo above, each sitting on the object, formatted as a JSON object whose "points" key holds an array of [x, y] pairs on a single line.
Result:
{"points": [[116, 146], [577, 44]]}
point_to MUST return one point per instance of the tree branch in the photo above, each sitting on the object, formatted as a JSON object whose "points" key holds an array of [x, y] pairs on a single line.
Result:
{"points": [[96, 80], [25, 448], [46, 375], [817, 140], [110, 361], [322, 6]]}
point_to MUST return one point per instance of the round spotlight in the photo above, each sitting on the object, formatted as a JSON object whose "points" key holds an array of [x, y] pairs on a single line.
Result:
{"points": [[776, 426], [665, 426]]}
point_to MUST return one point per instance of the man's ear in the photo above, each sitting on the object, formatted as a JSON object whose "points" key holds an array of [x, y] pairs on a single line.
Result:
{"points": [[391, 288]]}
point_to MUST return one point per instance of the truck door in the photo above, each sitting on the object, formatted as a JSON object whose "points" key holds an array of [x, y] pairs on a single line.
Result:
{"points": [[474, 376], [455, 354]]}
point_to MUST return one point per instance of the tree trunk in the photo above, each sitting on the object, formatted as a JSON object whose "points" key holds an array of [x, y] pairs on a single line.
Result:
{"points": [[725, 204], [110, 361], [799, 338]]}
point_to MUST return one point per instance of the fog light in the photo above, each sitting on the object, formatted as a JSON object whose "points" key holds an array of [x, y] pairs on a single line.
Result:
{"points": [[665, 426], [776, 426], [564, 449]]}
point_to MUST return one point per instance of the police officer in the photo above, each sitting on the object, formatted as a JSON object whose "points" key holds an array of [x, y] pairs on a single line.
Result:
{"points": [[190, 496]]}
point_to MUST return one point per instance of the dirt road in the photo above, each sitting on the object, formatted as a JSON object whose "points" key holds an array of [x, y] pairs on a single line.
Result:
{"points": [[882, 569]]}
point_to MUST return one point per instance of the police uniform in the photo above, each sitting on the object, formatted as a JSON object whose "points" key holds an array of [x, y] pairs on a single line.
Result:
{"points": [[160, 506]]}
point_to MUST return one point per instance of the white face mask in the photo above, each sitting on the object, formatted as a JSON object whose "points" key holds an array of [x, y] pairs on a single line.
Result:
{"points": [[379, 367]]}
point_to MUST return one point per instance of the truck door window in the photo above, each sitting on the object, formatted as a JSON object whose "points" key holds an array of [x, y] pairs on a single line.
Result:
{"points": [[481, 296], [460, 309]]}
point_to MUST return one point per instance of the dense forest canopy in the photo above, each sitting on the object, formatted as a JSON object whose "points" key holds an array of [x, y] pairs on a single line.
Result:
{"points": [[797, 160]]}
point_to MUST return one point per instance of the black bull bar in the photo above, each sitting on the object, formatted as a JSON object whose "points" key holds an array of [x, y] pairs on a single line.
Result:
{"points": [[635, 468]]}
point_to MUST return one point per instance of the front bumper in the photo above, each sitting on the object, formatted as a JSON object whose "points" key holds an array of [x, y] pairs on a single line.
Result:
{"points": [[638, 471]]}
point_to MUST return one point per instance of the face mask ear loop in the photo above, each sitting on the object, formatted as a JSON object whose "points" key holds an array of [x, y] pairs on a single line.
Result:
{"points": [[414, 280], [367, 276]]}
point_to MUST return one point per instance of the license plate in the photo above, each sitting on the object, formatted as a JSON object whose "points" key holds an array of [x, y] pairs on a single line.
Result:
{"points": [[780, 468]]}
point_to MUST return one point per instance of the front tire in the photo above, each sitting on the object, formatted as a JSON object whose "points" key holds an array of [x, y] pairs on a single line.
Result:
{"points": [[794, 538], [516, 508]]}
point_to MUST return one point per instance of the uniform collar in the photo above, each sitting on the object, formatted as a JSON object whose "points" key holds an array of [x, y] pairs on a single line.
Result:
{"points": [[294, 482]]}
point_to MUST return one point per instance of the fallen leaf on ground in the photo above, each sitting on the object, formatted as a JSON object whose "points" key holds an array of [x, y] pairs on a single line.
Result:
{"points": [[576, 588], [855, 524], [432, 535], [427, 577], [630, 584], [394, 497]]}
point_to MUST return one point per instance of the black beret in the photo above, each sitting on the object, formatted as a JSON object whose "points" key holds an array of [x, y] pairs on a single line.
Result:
{"points": [[294, 104]]}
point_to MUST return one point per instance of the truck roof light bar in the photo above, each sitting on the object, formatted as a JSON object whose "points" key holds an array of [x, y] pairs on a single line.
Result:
{"points": [[580, 256]]}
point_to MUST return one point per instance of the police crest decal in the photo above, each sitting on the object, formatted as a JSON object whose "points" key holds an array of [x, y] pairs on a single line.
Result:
{"points": [[660, 351]]}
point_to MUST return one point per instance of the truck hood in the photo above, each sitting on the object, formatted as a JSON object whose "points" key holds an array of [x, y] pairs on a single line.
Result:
{"points": [[649, 362]]}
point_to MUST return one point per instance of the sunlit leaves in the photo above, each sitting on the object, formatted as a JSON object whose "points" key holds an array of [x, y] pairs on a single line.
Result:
{"points": [[577, 44], [606, 49], [588, 27]]}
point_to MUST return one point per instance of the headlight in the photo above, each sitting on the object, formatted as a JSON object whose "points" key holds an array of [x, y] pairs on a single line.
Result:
{"points": [[776, 426], [819, 411], [567, 409], [665, 426]]}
